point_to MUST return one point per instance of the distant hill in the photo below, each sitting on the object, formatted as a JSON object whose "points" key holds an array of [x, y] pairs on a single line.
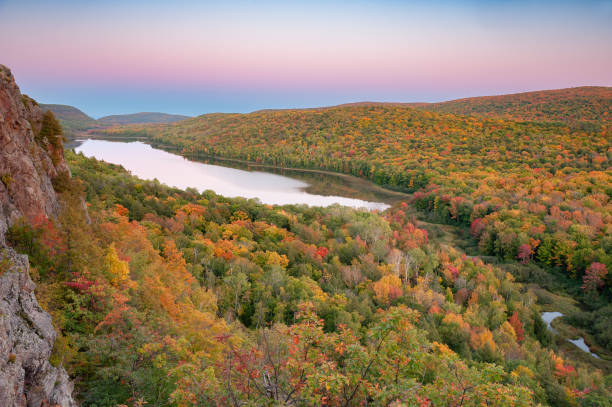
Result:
{"points": [[72, 119], [141, 118], [570, 105], [583, 104]]}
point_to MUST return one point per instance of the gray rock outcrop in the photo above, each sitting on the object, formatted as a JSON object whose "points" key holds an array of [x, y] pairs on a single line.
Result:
{"points": [[27, 169]]}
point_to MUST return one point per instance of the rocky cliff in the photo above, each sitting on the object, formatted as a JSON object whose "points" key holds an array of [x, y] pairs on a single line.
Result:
{"points": [[28, 165]]}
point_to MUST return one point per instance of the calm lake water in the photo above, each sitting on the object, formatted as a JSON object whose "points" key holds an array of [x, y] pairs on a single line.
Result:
{"points": [[315, 189]]}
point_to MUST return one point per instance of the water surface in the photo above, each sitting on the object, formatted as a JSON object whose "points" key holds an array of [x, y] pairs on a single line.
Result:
{"points": [[548, 318], [147, 162], [582, 345]]}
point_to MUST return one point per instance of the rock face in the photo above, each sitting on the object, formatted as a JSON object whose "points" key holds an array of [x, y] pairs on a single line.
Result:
{"points": [[26, 340], [26, 168], [26, 332]]}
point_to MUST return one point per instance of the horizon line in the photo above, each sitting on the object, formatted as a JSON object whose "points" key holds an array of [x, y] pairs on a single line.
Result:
{"points": [[354, 103]]}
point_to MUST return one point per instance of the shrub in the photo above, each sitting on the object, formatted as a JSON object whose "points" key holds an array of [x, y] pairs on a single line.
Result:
{"points": [[7, 180], [51, 131]]}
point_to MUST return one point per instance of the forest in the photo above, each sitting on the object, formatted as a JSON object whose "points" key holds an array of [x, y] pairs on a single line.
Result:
{"points": [[532, 184], [583, 107], [306, 203], [170, 297]]}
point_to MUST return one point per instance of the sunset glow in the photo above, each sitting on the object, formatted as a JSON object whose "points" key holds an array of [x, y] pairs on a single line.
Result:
{"points": [[196, 57]]}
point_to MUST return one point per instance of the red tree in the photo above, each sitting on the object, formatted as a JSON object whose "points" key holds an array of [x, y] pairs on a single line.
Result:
{"points": [[524, 253], [517, 325], [593, 278]]}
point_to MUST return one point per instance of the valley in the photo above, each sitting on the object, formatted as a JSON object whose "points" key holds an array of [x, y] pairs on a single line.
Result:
{"points": [[218, 273], [305, 203], [449, 233]]}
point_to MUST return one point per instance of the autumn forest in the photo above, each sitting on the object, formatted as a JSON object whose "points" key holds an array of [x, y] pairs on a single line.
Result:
{"points": [[169, 297]]}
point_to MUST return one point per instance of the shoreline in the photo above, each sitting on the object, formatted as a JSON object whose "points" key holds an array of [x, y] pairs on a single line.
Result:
{"points": [[396, 196]]}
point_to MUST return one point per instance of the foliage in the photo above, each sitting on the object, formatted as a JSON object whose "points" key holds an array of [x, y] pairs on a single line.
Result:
{"points": [[533, 191], [73, 120], [583, 107], [170, 297], [51, 131], [6, 179]]}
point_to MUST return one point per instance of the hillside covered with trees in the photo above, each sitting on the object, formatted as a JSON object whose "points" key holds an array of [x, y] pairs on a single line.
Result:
{"points": [[534, 192], [174, 297], [138, 118], [75, 122], [163, 296], [589, 104]]}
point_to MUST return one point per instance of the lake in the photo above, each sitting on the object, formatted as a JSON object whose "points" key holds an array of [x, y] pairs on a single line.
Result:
{"points": [[269, 185]]}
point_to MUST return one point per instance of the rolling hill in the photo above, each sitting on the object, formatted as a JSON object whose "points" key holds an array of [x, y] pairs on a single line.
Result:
{"points": [[534, 191], [583, 104], [163, 296], [570, 105], [139, 118], [74, 121]]}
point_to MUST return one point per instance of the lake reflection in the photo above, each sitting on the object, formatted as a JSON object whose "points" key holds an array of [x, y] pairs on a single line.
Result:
{"points": [[146, 162]]}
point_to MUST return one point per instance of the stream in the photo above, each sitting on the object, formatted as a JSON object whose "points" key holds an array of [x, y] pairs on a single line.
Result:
{"points": [[548, 317]]}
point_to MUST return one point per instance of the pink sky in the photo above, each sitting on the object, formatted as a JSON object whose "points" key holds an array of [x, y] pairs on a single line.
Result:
{"points": [[114, 57]]}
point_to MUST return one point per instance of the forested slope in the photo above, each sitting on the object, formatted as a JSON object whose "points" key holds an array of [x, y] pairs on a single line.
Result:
{"points": [[139, 118], [530, 191], [173, 297], [73, 120], [589, 104], [170, 297]]}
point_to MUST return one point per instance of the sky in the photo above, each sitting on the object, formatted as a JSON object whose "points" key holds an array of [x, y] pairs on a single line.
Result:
{"points": [[194, 57]]}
